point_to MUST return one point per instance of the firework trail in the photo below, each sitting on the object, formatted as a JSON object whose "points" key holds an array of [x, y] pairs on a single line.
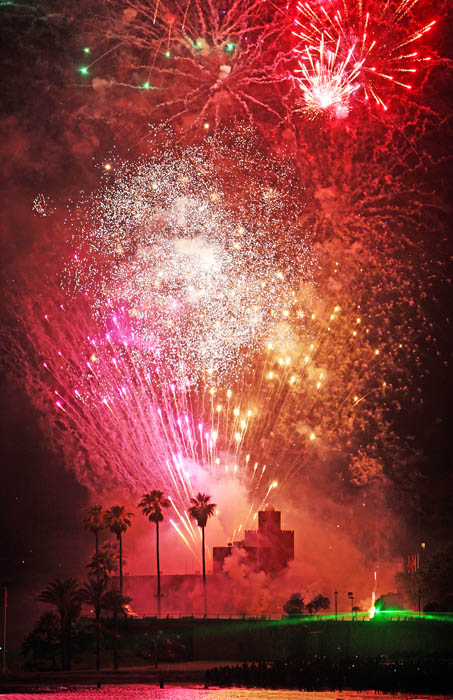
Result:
{"points": [[119, 423], [315, 405], [201, 64], [172, 284], [318, 372], [322, 390], [356, 49], [387, 184], [189, 339]]}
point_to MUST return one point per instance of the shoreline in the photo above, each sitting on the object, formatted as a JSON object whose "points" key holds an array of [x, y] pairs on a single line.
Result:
{"points": [[187, 673]]}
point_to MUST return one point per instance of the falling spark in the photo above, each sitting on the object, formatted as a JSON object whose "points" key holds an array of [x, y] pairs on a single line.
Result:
{"points": [[349, 48]]}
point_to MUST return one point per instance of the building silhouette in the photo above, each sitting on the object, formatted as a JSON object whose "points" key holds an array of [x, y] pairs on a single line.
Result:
{"points": [[268, 549]]}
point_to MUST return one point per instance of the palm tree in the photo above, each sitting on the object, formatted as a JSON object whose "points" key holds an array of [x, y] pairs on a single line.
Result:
{"points": [[117, 520], [93, 521], [107, 562], [201, 510], [151, 505], [115, 602], [43, 642], [65, 596], [93, 594]]}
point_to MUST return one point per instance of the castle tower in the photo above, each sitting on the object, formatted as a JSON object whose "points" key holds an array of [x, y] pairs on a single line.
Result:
{"points": [[269, 520], [268, 549]]}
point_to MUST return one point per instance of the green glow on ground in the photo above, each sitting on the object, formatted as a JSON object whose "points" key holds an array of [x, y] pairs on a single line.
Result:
{"points": [[387, 616]]}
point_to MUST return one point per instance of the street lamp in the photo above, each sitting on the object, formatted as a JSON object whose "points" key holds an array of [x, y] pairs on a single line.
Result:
{"points": [[5, 606], [351, 598]]}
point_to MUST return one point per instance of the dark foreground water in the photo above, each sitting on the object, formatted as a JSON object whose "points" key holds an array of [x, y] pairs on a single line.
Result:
{"points": [[140, 692]]}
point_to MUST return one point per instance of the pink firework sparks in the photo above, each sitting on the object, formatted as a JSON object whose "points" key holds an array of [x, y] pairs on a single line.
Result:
{"points": [[351, 47], [118, 423]]}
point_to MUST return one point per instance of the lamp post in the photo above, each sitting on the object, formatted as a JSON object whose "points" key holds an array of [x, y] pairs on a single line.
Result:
{"points": [[336, 604], [351, 598], [5, 606]]}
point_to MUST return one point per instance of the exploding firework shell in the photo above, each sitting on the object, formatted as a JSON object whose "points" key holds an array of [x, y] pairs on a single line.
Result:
{"points": [[198, 64], [186, 270], [349, 48]]}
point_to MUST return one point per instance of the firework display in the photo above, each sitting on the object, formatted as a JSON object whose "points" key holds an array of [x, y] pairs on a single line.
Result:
{"points": [[350, 48], [119, 423], [201, 64], [172, 256], [322, 387], [317, 399], [197, 336], [244, 296]]}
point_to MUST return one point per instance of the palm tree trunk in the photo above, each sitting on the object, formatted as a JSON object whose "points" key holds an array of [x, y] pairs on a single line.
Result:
{"points": [[97, 557], [121, 564], [63, 644], [115, 641], [98, 639], [68, 647], [158, 570], [204, 572]]}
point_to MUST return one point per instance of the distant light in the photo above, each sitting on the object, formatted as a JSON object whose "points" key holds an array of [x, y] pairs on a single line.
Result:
{"points": [[86, 49], [206, 125], [107, 166], [230, 47], [84, 70], [168, 54]]}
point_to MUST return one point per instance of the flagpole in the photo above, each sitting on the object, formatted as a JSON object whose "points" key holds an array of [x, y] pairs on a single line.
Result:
{"points": [[5, 607]]}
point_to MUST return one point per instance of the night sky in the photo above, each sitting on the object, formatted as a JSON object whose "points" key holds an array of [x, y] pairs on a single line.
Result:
{"points": [[56, 130]]}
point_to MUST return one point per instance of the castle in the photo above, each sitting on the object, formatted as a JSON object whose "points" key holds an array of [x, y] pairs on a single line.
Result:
{"points": [[268, 549]]}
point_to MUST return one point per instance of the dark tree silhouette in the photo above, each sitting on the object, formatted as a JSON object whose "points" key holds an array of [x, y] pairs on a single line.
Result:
{"points": [[115, 602], [108, 562], [151, 505], [294, 605], [43, 643], [94, 522], [93, 594], [319, 602], [65, 596], [117, 520], [200, 510]]}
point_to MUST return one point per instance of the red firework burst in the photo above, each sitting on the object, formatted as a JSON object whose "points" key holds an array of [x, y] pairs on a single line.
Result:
{"points": [[348, 47]]}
